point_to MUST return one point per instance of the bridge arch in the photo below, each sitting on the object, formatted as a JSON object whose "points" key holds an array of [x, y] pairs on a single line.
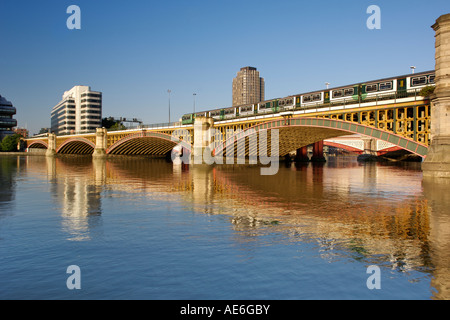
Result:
{"points": [[301, 131], [343, 147], [78, 145], [147, 143], [38, 144]]}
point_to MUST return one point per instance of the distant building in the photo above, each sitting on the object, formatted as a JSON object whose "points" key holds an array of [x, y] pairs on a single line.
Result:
{"points": [[79, 111], [248, 87], [22, 131], [44, 130], [7, 123]]}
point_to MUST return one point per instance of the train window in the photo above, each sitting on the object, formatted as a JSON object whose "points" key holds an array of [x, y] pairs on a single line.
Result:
{"points": [[349, 92], [215, 113], [338, 93], [312, 97], [419, 81], [371, 88], [431, 79], [385, 86]]}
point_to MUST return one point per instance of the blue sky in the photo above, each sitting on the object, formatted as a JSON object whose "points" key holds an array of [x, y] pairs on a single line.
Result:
{"points": [[134, 51]]}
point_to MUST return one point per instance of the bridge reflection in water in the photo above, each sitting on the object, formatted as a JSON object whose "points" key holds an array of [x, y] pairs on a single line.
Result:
{"points": [[349, 211]]}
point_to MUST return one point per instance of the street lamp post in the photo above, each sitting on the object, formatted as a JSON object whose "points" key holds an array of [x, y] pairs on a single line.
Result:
{"points": [[413, 69], [169, 91], [194, 101], [327, 84]]}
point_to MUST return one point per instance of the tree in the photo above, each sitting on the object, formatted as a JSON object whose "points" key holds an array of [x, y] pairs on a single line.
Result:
{"points": [[427, 91], [117, 126], [108, 122], [9, 143]]}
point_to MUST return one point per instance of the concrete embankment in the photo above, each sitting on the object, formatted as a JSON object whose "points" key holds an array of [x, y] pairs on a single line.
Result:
{"points": [[21, 154]]}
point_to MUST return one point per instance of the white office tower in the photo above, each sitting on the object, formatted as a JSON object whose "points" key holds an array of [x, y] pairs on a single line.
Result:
{"points": [[80, 111]]}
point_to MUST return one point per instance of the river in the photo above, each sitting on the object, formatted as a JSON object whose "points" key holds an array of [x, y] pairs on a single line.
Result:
{"points": [[147, 229]]}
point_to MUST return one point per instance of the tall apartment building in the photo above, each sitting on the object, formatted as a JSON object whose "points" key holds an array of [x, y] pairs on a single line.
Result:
{"points": [[79, 111], [7, 123], [248, 87]]}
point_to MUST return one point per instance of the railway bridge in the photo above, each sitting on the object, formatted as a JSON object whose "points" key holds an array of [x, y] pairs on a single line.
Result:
{"points": [[391, 111], [402, 122]]}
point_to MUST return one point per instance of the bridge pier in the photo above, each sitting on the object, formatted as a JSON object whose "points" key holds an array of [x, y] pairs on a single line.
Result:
{"points": [[100, 143], [51, 150], [370, 146], [318, 152], [202, 139], [437, 162], [302, 155]]}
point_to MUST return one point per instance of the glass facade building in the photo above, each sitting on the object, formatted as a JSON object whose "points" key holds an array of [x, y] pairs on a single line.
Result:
{"points": [[7, 123]]}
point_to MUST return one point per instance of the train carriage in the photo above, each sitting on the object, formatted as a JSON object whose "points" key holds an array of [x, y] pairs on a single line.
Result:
{"points": [[269, 106], [311, 99], [187, 119], [229, 113], [247, 110], [382, 89], [344, 93], [419, 81], [216, 114], [286, 103]]}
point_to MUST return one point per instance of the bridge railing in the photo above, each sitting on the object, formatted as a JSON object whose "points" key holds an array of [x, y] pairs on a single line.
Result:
{"points": [[156, 125]]}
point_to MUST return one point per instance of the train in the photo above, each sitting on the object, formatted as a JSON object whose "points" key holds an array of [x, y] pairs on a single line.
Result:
{"points": [[382, 89]]}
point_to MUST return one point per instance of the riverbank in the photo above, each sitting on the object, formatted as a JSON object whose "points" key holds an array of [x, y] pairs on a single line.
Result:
{"points": [[21, 154]]}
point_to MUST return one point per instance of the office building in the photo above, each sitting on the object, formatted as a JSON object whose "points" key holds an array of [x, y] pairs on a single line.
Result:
{"points": [[248, 87], [7, 123], [79, 111]]}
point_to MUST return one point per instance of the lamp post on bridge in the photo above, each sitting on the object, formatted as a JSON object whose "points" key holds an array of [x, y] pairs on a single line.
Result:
{"points": [[169, 91], [194, 94]]}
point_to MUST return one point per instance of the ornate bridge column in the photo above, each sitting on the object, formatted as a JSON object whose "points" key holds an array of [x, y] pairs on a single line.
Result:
{"points": [[51, 150], [370, 146], [100, 143], [202, 138], [437, 163]]}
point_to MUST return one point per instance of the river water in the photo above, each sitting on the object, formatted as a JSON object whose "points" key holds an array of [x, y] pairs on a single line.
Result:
{"points": [[148, 229]]}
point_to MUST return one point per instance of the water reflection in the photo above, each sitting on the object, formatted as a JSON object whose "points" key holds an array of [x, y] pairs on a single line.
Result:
{"points": [[76, 185], [8, 168], [436, 191], [374, 213]]}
